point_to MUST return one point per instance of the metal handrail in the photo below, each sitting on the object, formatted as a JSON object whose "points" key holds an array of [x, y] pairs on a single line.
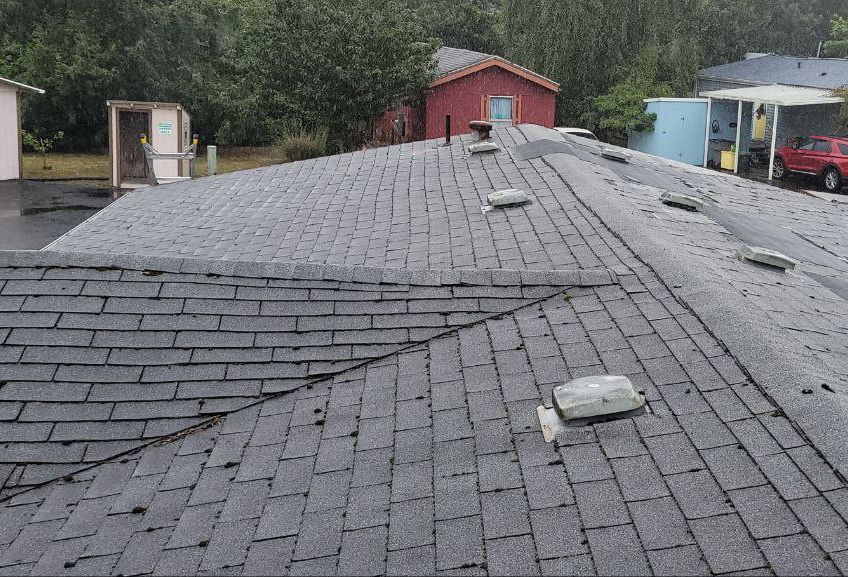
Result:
{"points": [[151, 154]]}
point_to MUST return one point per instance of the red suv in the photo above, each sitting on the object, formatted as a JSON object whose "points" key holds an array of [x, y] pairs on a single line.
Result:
{"points": [[823, 156]]}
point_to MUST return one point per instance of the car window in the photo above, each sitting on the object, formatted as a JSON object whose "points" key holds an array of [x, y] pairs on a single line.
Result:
{"points": [[843, 148], [806, 144], [822, 146]]}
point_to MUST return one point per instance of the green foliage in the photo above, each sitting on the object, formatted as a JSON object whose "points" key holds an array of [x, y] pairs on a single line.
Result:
{"points": [[300, 143], [322, 63], [590, 46], [843, 111], [246, 69], [87, 51], [469, 24], [622, 109], [837, 46], [41, 145]]}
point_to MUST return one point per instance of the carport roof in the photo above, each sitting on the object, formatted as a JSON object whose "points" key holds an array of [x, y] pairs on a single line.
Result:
{"points": [[778, 94]]}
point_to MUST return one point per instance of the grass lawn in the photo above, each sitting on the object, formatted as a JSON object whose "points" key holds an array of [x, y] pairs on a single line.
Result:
{"points": [[84, 166]]}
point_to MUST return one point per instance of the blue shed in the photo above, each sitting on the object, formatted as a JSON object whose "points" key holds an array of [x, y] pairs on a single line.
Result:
{"points": [[679, 130]]}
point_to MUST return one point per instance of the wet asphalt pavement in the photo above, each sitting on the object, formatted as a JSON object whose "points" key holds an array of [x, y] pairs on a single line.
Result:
{"points": [[34, 214]]}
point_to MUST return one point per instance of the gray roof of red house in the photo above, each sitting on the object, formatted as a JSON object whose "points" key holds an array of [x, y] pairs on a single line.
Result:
{"points": [[452, 59], [789, 70], [333, 366]]}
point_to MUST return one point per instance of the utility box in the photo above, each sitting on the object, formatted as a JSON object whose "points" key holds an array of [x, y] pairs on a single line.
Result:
{"points": [[679, 131], [168, 129]]}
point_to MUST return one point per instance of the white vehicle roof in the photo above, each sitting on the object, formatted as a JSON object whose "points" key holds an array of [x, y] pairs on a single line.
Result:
{"points": [[568, 130]]}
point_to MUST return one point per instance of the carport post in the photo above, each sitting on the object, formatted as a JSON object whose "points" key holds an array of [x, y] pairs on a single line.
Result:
{"points": [[707, 131], [773, 141], [738, 136]]}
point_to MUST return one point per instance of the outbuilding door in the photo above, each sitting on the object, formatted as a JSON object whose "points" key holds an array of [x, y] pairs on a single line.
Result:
{"points": [[130, 125]]}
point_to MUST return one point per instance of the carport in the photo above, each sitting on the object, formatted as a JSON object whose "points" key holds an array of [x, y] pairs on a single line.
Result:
{"points": [[793, 113]]}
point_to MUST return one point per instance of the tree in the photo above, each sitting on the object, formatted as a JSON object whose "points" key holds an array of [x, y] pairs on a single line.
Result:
{"points": [[324, 64], [42, 145], [85, 52], [837, 46], [622, 109], [469, 24]]}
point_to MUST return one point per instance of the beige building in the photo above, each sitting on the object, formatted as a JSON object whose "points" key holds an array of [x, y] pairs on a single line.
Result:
{"points": [[168, 129], [10, 127]]}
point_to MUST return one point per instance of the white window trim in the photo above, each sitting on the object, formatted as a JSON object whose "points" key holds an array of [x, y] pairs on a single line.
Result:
{"points": [[511, 108]]}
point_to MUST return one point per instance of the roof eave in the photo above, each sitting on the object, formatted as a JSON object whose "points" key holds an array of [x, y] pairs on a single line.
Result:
{"points": [[496, 61], [21, 86]]}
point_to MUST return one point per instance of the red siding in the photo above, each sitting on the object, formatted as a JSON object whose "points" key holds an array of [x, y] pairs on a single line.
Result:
{"points": [[384, 131], [463, 100]]}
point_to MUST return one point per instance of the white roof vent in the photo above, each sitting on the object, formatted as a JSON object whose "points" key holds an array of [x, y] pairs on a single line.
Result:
{"points": [[590, 399], [508, 197], [683, 201], [767, 257], [613, 154], [479, 147]]}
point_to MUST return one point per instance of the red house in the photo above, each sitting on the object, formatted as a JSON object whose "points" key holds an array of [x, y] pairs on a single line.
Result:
{"points": [[472, 86]]}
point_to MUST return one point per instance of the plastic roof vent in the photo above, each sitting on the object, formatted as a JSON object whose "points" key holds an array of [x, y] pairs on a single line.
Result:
{"points": [[766, 257], [479, 147], [613, 154], [683, 201], [508, 197], [588, 400]]}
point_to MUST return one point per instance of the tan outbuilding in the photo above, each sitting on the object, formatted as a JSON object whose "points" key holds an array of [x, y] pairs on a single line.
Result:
{"points": [[168, 129], [10, 127]]}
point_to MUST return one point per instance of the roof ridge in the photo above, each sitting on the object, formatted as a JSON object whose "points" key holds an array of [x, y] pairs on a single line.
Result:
{"points": [[311, 271]]}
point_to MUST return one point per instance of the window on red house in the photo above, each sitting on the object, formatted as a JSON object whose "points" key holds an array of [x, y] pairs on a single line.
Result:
{"points": [[500, 108]]}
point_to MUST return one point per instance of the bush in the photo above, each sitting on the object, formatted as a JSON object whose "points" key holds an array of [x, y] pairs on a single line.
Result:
{"points": [[298, 143]]}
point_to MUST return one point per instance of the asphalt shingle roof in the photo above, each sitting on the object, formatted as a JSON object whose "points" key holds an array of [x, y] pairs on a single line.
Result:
{"points": [[451, 59], [423, 453], [775, 69]]}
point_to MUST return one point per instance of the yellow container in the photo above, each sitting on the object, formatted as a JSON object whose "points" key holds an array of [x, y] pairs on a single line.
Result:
{"points": [[728, 159]]}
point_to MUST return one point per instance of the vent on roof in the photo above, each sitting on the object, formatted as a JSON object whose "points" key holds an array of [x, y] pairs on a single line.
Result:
{"points": [[480, 129], [590, 400], [479, 147], [766, 256], [508, 197], [613, 154], [683, 201]]}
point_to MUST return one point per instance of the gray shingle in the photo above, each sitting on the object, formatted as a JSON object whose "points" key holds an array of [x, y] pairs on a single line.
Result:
{"points": [[511, 556], [459, 543], [558, 532], [678, 561], [764, 512], [697, 494], [828, 529], [660, 523], [412, 562], [411, 524], [271, 557], [229, 544], [320, 535], [363, 552], [795, 555], [616, 551], [726, 545]]}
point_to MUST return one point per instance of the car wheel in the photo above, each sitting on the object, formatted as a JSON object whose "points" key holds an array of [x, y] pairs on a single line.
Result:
{"points": [[832, 180], [779, 169]]}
